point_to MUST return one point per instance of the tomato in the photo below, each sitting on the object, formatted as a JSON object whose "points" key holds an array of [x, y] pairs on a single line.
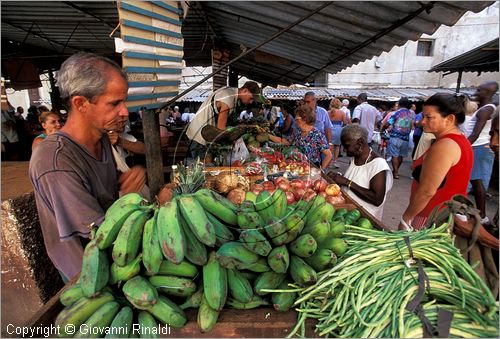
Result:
{"points": [[299, 193], [268, 186], [257, 188], [309, 195], [280, 179], [323, 194], [282, 185], [335, 199], [308, 183], [332, 189], [297, 183], [290, 198], [320, 185]]}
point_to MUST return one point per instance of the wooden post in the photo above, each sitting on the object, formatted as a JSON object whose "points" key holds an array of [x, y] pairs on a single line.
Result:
{"points": [[219, 59], [233, 78], [154, 163], [55, 96], [459, 80]]}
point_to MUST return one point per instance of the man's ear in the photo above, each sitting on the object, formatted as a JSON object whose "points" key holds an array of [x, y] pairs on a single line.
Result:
{"points": [[79, 103]]}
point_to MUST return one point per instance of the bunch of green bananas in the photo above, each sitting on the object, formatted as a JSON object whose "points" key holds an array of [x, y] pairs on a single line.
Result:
{"points": [[147, 263]]}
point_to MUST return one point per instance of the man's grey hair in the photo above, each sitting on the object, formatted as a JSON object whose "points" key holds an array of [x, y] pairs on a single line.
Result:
{"points": [[85, 74], [310, 94], [354, 132]]}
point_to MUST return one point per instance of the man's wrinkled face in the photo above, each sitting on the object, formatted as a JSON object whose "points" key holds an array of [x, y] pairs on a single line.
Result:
{"points": [[108, 111], [310, 101]]}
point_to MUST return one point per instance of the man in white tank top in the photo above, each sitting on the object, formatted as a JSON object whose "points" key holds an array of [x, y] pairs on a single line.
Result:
{"points": [[479, 127]]}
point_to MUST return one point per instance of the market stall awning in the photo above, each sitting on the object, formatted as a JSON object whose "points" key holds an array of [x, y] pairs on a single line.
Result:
{"points": [[339, 36], [382, 94], [480, 59]]}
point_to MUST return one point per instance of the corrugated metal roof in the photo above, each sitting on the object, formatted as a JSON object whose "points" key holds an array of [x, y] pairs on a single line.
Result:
{"points": [[339, 36], [52, 30], [385, 94], [480, 59], [78, 25]]}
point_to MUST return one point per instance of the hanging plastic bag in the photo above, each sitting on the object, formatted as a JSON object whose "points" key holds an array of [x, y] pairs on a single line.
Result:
{"points": [[238, 152], [122, 166]]}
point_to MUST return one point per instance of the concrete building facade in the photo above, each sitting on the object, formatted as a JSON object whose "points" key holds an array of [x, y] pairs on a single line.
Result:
{"points": [[407, 65]]}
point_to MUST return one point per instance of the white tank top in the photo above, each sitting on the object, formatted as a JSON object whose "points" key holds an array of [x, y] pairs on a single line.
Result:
{"points": [[484, 136]]}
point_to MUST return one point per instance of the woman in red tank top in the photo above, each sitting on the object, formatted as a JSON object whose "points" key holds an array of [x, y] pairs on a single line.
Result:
{"points": [[444, 170]]}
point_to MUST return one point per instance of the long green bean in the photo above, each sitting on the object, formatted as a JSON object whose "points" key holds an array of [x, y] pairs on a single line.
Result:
{"points": [[366, 293]]}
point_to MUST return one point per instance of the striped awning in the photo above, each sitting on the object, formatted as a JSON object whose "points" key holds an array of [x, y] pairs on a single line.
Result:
{"points": [[152, 51]]}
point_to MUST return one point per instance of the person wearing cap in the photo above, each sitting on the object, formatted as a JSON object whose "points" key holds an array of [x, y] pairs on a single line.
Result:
{"points": [[346, 110], [220, 105]]}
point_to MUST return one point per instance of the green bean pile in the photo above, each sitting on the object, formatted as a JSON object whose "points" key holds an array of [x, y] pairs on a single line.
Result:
{"points": [[366, 293]]}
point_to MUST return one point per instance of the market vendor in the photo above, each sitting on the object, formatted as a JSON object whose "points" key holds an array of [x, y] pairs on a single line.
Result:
{"points": [[307, 138], [368, 178], [73, 173], [219, 106]]}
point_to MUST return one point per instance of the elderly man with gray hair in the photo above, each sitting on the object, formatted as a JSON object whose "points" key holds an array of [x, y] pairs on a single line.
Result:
{"points": [[323, 123], [346, 110], [72, 171]]}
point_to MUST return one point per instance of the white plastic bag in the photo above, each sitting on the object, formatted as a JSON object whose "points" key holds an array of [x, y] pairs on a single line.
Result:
{"points": [[239, 151], [376, 137], [122, 166]]}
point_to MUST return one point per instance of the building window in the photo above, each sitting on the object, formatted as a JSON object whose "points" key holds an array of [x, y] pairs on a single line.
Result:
{"points": [[425, 47]]}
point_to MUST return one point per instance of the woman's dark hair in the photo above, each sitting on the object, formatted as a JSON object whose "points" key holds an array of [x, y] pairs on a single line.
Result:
{"points": [[448, 104]]}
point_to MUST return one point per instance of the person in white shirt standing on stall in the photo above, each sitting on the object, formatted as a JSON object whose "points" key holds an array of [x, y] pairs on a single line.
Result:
{"points": [[366, 115], [219, 105]]}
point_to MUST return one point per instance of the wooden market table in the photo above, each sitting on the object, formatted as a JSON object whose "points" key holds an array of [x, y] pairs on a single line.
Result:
{"points": [[256, 323], [232, 323]]}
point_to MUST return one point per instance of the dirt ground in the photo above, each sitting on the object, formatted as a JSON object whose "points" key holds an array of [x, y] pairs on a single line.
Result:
{"points": [[18, 305], [15, 180]]}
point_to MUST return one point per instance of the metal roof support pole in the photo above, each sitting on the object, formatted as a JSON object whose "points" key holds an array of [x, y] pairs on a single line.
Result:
{"points": [[286, 29], [459, 80]]}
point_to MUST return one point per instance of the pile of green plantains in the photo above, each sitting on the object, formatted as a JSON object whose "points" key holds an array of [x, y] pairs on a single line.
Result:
{"points": [[367, 293], [147, 263]]}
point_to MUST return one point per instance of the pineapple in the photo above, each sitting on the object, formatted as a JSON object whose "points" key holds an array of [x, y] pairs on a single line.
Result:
{"points": [[190, 178]]}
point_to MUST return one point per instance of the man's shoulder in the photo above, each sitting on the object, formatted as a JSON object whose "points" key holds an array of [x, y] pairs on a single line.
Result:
{"points": [[225, 92], [55, 153], [486, 109], [321, 111]]}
